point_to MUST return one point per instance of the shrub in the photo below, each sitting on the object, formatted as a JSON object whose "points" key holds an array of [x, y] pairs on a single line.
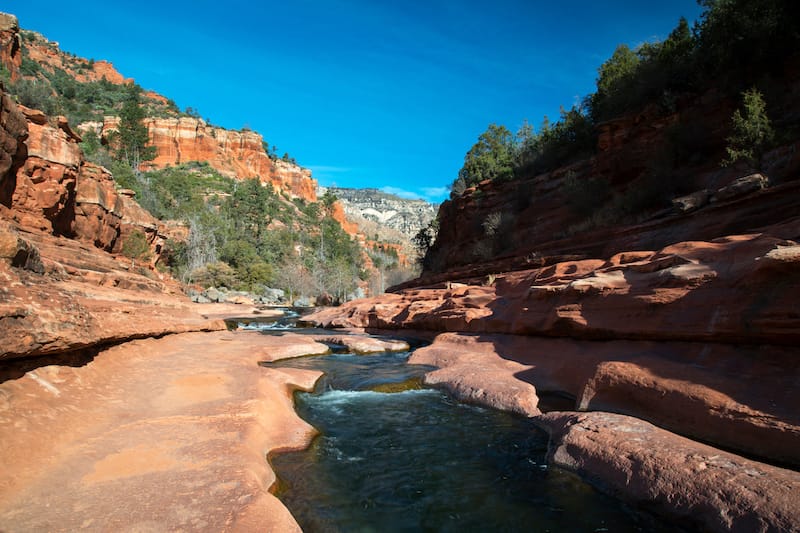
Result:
{"points": [[136, 246], [584, 195], [752, 131], [216, 274]]}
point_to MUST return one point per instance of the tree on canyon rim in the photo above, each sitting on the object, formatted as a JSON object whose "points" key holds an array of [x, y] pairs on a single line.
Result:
{"points": [[131, 138]]}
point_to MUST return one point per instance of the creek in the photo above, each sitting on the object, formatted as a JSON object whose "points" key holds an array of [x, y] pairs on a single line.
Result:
{"points": [[393, 455]]}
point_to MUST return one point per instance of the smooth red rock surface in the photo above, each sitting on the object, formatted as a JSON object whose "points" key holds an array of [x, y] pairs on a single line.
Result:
{"points": [[158, 434], [700, 485]]}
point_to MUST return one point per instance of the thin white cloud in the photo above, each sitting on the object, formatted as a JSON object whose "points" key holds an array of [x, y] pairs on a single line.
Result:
{"points": [[329, 169], [402, 193], [435, 194]]}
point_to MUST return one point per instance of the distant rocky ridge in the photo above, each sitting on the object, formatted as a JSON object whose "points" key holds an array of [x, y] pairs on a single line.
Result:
{"points": [[400, 214]]}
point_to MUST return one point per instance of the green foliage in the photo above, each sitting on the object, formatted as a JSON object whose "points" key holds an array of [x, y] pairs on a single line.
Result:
{"points": [[90, 144], [501, 155], [741, 39], [569, 139], [135, 246], [615, 79], [179, 192], [35, 94], [736, 43], [5, 75], [423, 242], [490, 158], [752, 131], [585, 195], [216, 274], [131, 138], [29, 67], [242, 234]]}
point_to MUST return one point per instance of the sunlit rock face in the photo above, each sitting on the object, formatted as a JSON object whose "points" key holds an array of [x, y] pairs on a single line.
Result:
{"points": [[234, 154]]}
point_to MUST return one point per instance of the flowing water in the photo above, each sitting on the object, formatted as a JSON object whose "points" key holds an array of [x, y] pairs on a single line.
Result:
{"points": [[395, 456]]}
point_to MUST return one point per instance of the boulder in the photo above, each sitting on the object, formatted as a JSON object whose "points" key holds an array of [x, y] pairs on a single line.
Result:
{"points": [[272, 296], [214, 294], [18, 252], [741, 187], [691, 202]]}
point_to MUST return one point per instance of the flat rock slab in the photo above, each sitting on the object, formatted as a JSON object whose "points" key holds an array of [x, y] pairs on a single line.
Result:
{"points": [[646, 465], [362, 344], [154, 435]]}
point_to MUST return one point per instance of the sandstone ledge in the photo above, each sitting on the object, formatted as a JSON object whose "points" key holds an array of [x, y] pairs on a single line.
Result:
{"points": [[76, 296], [688, 481], [157, 434], [739, 289]]}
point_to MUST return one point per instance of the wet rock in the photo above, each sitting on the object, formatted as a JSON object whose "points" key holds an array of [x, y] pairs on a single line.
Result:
{"points": [[361, 344], [689, 388]]}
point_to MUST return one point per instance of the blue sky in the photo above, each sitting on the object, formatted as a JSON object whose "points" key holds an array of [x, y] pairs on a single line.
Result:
{"points": [[366, 93]]}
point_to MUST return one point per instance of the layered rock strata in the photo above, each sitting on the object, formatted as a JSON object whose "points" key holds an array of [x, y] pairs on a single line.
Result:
{"points": [[61, 295], [234, 154], [49, 187]]}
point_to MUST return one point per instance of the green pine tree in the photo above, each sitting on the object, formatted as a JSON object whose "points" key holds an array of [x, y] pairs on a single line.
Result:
{"points": [[752, 131], [132, 138]]}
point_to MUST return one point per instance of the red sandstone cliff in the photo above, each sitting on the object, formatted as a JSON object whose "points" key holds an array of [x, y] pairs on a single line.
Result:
{"points": [[235, 154], [645, 159], [52, 189]]}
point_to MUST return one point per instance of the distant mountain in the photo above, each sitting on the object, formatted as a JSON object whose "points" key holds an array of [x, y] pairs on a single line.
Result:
{"points": [[388, 210]]}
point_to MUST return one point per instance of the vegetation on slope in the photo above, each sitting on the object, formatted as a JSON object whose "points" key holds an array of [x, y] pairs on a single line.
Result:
{"points": [[737, 45], [247, 236], [663, 118], [241, 234]]}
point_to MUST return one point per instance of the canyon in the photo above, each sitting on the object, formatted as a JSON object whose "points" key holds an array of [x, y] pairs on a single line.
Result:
{"points": [[657, 350], [659, 353]]}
